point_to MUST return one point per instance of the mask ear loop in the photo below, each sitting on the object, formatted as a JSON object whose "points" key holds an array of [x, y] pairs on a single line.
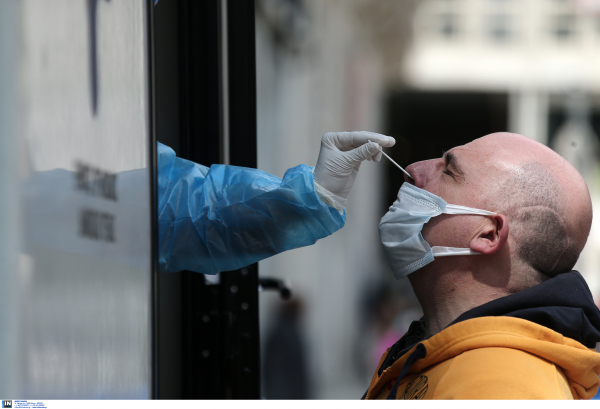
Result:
{"points": [[458, 209], [441, 251]]}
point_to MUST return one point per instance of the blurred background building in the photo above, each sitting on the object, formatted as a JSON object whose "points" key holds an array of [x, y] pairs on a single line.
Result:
{"points": [[434, 74], [541, 58]]}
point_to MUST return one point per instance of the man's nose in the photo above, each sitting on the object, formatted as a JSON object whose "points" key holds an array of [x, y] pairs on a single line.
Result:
{"points": [[422, 172]]}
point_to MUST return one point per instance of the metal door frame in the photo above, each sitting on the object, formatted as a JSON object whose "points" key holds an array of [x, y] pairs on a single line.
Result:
{"points": [[214, 325]]}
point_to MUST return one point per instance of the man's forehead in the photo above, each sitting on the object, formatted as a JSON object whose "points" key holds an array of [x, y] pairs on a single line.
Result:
{"points": [[467, 153], [480, 155], [483, 145]]}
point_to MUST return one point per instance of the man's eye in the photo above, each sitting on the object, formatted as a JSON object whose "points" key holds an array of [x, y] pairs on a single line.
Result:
{"points": [[448, 173]]}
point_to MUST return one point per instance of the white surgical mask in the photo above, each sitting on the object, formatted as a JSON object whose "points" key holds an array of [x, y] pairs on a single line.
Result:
{"points": [[400, 229]]}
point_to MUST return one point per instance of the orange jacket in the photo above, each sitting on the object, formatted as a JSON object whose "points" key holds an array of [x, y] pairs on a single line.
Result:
{"points": [[493, 358]]}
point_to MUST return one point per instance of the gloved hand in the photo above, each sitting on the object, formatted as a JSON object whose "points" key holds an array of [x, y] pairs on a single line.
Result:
{"points": [[339, 159]]}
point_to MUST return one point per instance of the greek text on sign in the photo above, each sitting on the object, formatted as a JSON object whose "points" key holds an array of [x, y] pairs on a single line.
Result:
{"points": [[95, 182]]}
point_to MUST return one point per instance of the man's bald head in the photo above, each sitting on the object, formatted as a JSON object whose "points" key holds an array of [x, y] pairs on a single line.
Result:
{"points": [[543, 205], [546, 200]]}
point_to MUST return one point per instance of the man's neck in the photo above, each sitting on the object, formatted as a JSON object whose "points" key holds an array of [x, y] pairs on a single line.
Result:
{"points": [[444, 296]]}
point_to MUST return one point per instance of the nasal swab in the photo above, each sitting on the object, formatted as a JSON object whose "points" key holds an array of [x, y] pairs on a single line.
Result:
{"points": [[392, 160]]}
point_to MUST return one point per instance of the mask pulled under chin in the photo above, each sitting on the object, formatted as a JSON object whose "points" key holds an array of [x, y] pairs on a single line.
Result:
{"points": [[400, 230]]}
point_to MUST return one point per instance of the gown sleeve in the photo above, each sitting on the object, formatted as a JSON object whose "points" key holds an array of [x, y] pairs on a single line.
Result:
{"points": [[226, 217]]}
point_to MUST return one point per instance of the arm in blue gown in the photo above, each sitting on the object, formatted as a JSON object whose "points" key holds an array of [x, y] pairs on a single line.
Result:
{"points": [[227, 217]]}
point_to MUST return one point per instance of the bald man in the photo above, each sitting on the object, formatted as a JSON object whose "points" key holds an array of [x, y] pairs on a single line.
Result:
{"points": [[502, 221]]}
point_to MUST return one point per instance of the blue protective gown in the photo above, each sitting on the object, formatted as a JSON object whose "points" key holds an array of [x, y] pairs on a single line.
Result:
{"points": [[226, 217]]}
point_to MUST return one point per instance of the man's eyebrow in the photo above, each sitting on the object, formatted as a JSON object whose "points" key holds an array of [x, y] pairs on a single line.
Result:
{"points": [[451, 160]]}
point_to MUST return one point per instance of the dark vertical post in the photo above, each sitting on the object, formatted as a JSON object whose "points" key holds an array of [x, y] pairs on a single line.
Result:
{"points": [[242, 82], [220, 334], [201, 306], [209, 335], [153, 201], [168, 305], [243, 302], [199, 81]]}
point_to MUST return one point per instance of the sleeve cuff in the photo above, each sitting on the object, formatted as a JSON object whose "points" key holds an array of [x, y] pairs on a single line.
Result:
{"points": [[330, 199]]}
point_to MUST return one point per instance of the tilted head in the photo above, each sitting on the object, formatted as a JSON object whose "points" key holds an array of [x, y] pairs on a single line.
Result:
{"points": [[543, 204]]}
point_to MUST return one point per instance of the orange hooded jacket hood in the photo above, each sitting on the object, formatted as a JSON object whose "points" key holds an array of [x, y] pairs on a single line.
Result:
{"points": [[536, 344]]}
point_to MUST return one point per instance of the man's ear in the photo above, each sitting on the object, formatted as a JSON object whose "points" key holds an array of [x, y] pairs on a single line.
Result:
{"points": [[492, 236]]}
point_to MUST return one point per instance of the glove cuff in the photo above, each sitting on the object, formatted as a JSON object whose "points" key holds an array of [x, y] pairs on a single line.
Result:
{"points": [[330, 199]]}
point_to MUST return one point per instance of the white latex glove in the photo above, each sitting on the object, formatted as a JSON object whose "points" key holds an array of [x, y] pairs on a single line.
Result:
{"points": [[339, 159]]}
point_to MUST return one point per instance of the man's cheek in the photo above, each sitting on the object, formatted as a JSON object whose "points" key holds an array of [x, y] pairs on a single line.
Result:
{"points": [[432, 231], [445, 230]]}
